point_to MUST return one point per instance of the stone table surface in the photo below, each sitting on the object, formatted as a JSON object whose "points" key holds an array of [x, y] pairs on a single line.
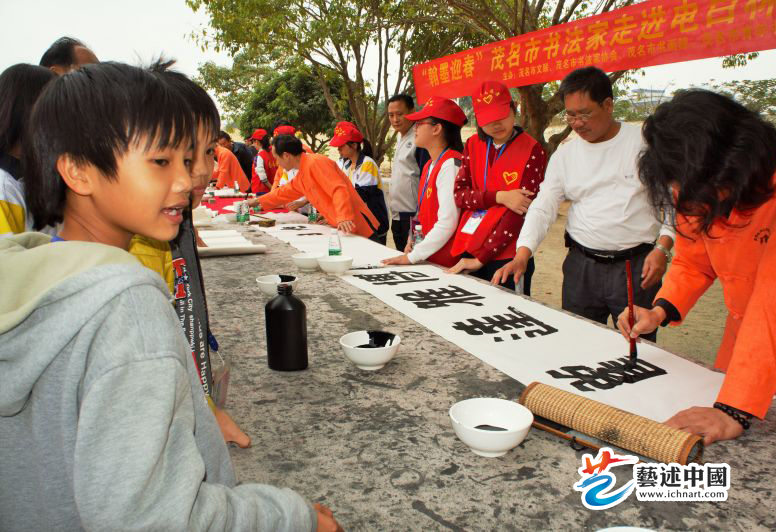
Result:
{"points": [[378, 447]]}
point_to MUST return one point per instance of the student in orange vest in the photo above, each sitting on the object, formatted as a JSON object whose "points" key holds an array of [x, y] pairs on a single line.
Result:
{"points": [[716, 161], [356, 162], [502, 168], [229, 171], [264, 165], [325, 186], [438, 130]]}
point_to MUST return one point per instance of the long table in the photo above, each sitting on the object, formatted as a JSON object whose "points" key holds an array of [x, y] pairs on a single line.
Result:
{"points": [[378, 447]]}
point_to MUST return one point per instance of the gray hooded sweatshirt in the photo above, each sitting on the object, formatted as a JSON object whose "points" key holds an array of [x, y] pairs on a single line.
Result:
{"points": [[103, 421]]}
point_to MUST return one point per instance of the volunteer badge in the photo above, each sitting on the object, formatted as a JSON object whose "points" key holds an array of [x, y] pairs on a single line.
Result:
{"points": [[598, 482]]}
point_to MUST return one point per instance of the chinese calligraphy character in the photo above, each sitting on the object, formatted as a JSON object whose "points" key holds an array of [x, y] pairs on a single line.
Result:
{"points": [[720, 12], [444, 72], [395, 277], [608, 375], [573, 39], [552, 44], [532, 50], [441, 297], [513, 59], [717, 476], [684, 17], [646, 475], [456, 69], [753, 8], [497, 58], [651, 21], [693, 475], [433, 76], [623, 26], [468, 66], [597, 32], [669, 476], [510, 321]]}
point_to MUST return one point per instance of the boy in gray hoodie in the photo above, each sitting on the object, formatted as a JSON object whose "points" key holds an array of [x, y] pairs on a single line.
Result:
{"points": [[103, 419]]}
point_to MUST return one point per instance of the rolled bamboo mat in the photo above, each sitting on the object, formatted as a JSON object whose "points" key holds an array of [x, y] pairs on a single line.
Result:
{"points": [[625, 430]]}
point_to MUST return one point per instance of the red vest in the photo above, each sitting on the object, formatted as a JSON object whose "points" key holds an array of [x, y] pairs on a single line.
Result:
{"points": [[270, 167], [429, 208], [505, 173]]}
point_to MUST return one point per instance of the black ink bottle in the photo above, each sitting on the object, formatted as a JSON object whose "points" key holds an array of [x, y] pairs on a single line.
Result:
{"points": [[286, 319]]}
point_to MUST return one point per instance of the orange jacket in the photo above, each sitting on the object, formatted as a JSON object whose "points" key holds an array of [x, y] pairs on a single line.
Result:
{"points": [[229, 171], [744, 260], [328, 189]]}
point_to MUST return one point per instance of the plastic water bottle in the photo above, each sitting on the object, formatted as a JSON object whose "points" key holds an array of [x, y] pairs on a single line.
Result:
{"points": [[335, 244], [417, 236], [313, 216], [286, 322], [236, 187]]}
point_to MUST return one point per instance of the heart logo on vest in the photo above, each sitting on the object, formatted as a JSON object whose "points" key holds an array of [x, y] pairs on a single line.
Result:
{"points": [[487, 98], [510, 177]]}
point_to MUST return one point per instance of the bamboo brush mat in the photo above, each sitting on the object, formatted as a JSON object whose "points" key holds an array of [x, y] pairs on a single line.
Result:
{"points": [[625, 430]]}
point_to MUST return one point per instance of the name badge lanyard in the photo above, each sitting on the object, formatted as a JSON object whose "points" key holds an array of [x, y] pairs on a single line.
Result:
{"points": [[487, 160], [428, 175]]}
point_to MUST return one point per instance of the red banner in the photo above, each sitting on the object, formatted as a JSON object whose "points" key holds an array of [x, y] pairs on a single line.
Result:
{"points": [[655, 32]]}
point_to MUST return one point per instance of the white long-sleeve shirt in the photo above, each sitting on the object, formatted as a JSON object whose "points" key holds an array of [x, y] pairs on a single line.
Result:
{"points": [[610, 210], [447, 218]]}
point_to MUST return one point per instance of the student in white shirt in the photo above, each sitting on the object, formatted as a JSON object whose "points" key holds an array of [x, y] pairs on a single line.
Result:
{"points": [[438, 130], [610, 219], [356, 162]]}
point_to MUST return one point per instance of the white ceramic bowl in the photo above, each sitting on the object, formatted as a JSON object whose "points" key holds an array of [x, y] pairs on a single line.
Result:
{"points": [[335, 263], [307, 262], [370, 358], [269, 283], [486, 412]]}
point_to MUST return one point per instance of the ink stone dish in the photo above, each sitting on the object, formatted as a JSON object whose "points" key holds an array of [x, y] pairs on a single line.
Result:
{"points": [[490, 427], [337, 264], [307, 262], [370, 350], [269, 283]]}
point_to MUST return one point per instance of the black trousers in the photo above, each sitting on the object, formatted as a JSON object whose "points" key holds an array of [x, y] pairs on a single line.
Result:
{"points": [[401, 230], [486, 273], [598, 290]]}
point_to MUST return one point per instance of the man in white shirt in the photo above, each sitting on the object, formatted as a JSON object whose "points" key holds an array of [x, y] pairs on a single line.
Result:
{"points": [[408, 161], [610, 219]]}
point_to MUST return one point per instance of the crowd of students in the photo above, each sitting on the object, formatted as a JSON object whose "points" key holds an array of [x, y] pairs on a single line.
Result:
{"points": [[106, 162]]}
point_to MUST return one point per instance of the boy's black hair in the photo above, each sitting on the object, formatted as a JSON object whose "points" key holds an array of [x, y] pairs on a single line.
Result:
{"points": [[224, 135], [61, 52], [20, 86], [590, 80], [719, 154], [199, 101], [287, 144], [95, 115], [265, 144], [406, 98]]}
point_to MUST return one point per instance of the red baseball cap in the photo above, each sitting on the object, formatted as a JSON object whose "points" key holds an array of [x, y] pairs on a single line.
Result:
{"points": [[491, 102], [284, 130], [259, 134], [442, 108], [345, 132]]}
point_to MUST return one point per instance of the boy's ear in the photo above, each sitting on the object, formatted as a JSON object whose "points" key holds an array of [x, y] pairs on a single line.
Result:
{"points": [[78, 177]]}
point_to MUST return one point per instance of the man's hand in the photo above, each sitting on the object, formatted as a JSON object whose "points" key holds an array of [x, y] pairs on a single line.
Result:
{"points": [[654, 267], [711, 423], [646, 321], [326, 521], [516, 267], [517, 200], [346, 226], [400, 260], [254, 203], [465, 265]]}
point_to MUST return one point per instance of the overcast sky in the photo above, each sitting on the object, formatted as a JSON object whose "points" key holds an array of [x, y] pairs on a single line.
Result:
{"points": [[140, 30]]}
